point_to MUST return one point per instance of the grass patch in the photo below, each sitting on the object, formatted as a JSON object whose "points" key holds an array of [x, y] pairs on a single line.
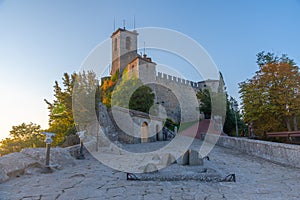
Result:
{"points": [[186, 125]]}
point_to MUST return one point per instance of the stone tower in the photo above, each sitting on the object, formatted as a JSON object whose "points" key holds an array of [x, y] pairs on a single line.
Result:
{"points": [[124, 49]]}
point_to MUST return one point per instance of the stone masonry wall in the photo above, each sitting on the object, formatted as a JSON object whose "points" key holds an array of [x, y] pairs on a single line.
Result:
{"points": [[178, 96], [286, 154]]}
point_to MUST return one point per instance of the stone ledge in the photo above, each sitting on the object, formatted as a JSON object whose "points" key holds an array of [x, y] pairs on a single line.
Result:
{"points": [[286, 154]]}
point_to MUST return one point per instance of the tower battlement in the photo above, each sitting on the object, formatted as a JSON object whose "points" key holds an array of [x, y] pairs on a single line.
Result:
{"points": [[180, 81]]}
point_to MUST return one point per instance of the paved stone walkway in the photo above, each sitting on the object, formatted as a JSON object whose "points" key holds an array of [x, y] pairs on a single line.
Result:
{"points": [[89, 179]]}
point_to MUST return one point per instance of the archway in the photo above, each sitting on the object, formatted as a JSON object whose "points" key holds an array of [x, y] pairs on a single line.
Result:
{"points": [[145, 132]]}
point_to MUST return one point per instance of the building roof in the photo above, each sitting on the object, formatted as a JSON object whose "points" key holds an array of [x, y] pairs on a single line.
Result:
{"points": [[144, 58], [124, 29]]}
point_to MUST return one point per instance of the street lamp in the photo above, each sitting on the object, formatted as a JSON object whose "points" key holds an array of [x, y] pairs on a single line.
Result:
{"points": [[235, 105]]}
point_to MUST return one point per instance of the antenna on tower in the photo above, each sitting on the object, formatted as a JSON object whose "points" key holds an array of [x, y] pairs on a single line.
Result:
{"points": [[124, 24], [114, 24], [144, 50], [133, 22]]}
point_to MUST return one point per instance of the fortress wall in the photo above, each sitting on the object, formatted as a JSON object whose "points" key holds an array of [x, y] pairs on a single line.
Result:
{"points": [[176, 80], [178, 97], [286, 154]]}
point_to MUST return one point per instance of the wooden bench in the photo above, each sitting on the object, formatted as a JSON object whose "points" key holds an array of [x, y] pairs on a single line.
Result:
{"points": [[289, 135]]}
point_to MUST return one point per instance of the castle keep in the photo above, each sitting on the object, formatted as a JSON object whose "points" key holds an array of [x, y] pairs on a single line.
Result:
{"points": [[175, 95]]}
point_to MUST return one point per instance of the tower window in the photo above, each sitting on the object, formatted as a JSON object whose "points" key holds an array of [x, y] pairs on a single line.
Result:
{"points": [[116, 44], [128, 43]]}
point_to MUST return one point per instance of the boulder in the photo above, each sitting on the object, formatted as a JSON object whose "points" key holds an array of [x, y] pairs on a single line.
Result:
{"points": [[71, 140], [59, 157], [150, 167], [167, 159], [155, 157], [15, 164], [183, 159], [75, 150]]}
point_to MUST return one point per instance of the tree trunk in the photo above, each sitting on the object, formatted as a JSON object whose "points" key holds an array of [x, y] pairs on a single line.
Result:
{"points": [[295, 123], [288, 125]]}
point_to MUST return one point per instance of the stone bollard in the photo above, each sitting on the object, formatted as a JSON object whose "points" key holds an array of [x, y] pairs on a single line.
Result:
{"points": [[194, 158], [48, 142], [175, 130]]}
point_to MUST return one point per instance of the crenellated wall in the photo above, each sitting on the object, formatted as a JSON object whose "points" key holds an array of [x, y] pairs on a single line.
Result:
{"points": [[168, 78], [178, 97]]}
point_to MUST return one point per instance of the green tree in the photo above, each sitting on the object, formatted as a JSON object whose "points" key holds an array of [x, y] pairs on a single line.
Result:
{"points": [[271, 98], [22, 136], [86, 98], [142, 99], [205, 102], [60, 111], [131, 93], [107, 87], [230, 123], [221, 106]]}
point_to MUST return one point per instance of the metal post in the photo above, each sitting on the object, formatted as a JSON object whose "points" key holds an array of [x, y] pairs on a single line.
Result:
{"points": [[81, 156], [48, 142], [47, 154], [251, 130], [81, 137], [236, 126]]}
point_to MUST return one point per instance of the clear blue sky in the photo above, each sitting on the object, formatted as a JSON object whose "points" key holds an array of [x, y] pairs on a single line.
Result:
{"points": [[40, 40]]}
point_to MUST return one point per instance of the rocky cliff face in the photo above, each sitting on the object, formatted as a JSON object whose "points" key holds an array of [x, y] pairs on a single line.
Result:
{"points": [[106, 123]]}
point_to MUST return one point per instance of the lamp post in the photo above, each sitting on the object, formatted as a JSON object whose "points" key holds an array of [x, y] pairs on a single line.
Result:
{"points": [[235, 105], [251, 130]]}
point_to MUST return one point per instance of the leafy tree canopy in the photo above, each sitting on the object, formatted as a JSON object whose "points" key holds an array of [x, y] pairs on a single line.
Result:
{"points": [[80, 94], [131, 93], [271, 98], [221, 106], [22, 136]]}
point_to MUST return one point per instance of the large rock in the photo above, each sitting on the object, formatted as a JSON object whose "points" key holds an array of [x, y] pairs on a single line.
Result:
{"points": [[150, 167], [183, 159], [15, 164], [59, 157], [75, 150], [106, 123], [71, 140], [155, 157], [194, 158], [167, 159]]}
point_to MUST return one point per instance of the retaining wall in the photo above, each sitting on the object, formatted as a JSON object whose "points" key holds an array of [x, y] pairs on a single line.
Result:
{"points": [[286, 154]]}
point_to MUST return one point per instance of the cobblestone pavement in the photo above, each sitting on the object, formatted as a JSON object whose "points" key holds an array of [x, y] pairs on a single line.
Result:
{"points": [[89, 179]]}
